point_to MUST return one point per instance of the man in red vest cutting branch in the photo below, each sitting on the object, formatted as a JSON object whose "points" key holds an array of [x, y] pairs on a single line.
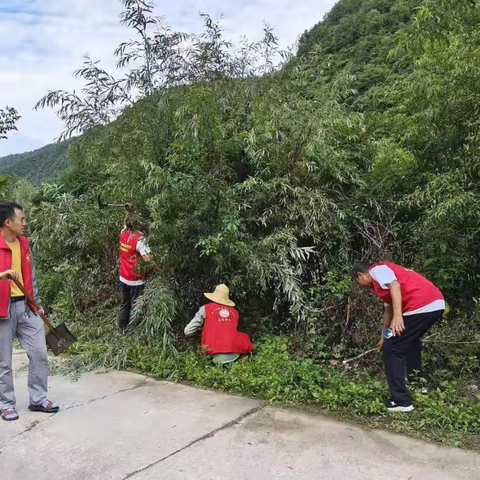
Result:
{"points": [[16, 319], [133, 248], [220, 337], [413, 305]]}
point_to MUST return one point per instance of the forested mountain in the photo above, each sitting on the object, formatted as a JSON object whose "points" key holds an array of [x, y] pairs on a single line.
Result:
{"points": [[355, 40], [38, 165]]}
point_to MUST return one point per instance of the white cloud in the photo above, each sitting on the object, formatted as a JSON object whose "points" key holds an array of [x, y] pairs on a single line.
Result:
{"points": [[43, 41]]}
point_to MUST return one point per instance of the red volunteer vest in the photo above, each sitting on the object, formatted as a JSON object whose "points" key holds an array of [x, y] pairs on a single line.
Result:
{"points": [[129, 256], [6, 264], [417, 291], [220, 334]]}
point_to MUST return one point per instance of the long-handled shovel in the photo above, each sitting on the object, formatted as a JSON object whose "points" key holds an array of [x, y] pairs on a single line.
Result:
{"points": [[58, 338], [101, 205]]}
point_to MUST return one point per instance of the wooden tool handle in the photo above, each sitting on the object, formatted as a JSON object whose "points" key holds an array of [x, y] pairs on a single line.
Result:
{"points": [[33, 303]]}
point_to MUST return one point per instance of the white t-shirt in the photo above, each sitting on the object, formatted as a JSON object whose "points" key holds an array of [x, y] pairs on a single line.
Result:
{"points": [[143, 249], [384, 276]]}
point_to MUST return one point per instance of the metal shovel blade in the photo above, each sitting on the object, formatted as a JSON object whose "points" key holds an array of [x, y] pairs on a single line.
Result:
{"points": [[59, 339]]}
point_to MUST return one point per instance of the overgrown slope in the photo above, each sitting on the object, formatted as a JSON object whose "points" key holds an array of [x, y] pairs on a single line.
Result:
{"points": [[38, 165], [362, 147], [355, 39]]}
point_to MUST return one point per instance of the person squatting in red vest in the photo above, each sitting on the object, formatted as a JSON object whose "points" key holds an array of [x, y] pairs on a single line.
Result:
{"points": [[133, 247], [413, 305], [220, 337], [17, 319]]}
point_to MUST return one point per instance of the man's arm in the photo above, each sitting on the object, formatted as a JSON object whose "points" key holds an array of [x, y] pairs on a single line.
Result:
{"points": [[144, 250], [387, 320], [36, 296], [387, 316], [387, 280], [397, 321], [196, 322]]}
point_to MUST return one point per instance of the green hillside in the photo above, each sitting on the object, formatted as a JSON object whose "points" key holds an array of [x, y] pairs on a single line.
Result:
{"points": [[38, 165], [363, 147], [355, 39]]}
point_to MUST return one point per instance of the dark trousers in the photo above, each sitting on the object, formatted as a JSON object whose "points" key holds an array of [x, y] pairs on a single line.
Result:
{"points": [[403, 354], [129, 296]]}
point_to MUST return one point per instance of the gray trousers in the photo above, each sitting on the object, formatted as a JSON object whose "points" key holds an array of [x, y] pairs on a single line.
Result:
{"points": [[28, 327]]}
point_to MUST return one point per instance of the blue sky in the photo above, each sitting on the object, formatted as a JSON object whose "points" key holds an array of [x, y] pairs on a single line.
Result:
{"points": [[43, 41]]}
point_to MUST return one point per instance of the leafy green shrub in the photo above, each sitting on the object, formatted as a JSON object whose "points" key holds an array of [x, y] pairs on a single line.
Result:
{"points": [[275, 184]]}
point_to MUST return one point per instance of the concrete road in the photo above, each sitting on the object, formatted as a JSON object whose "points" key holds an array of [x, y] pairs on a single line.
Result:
{"points": [[120, 425]]}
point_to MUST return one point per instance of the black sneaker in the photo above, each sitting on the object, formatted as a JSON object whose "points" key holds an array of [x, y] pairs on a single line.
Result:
{"points": [[397, 407]]}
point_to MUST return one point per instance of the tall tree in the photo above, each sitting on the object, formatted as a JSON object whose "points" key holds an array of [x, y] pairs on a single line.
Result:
{"points": [[158, 58]]}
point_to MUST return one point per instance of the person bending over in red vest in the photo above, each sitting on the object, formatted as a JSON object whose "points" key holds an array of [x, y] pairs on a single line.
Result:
{"points": [[413, 305], [220, 337], [133, 247], [16, 319]]}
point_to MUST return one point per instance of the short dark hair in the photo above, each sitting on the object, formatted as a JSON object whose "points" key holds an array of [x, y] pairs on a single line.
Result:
{"points": [[134, 223], [360, 267], [7, 211]]}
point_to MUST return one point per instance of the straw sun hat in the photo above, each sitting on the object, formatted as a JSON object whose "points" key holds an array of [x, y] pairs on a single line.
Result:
{"points": [[220, 295]]}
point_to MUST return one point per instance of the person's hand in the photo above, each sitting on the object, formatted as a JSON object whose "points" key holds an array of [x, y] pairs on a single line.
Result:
{"points": [[9, 275], [41, 311], [397, 325], [380, 343]]}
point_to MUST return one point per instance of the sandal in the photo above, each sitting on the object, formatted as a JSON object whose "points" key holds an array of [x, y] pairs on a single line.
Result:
{"points": [[46, 407], [9, 414]]}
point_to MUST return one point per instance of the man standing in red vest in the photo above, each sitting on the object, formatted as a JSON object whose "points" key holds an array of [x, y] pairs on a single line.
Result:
{"points": [[413, 305], [16, 319], [133, 247], [220, 337]]}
